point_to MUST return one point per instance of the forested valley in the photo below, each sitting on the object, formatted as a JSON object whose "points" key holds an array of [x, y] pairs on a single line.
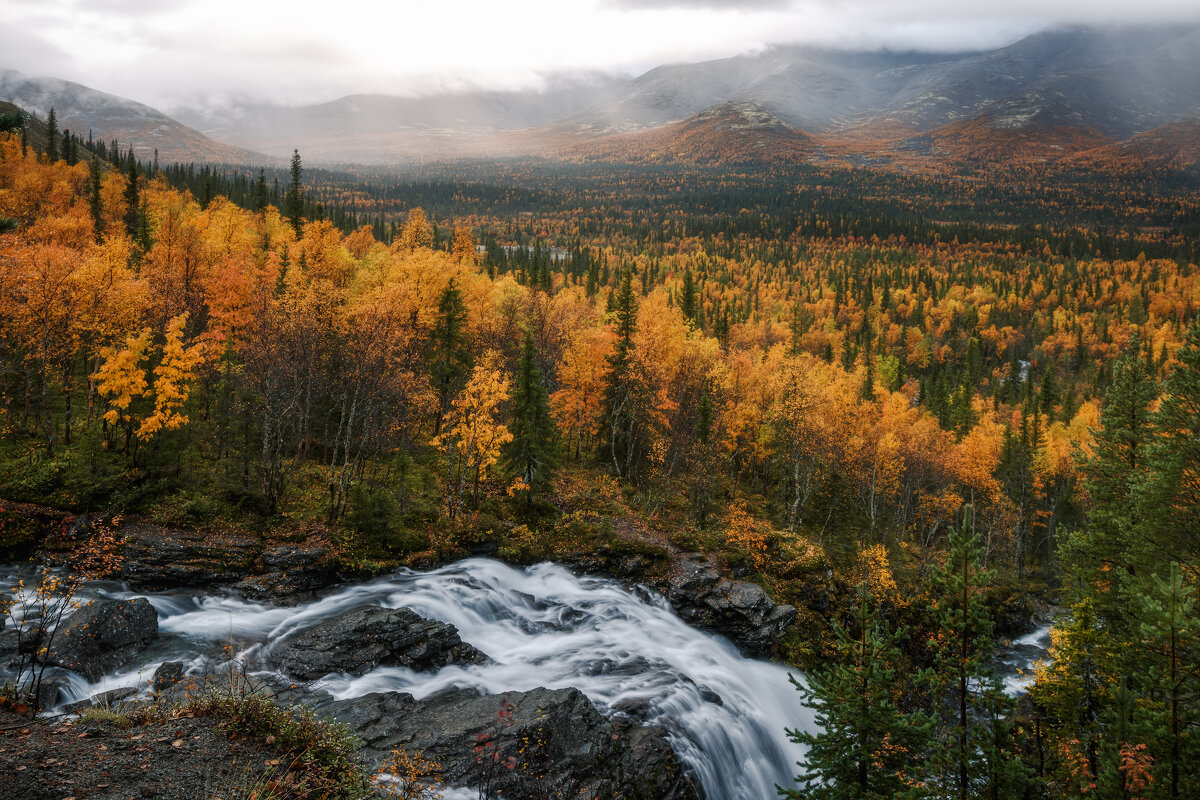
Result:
{"points": [[923, 410]]}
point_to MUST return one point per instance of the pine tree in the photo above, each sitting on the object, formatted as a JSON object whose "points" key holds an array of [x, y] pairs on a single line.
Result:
{"points": [[293, 199], [451, 354], [51, 136], [972, 760], [530, 454], [866, 746]]}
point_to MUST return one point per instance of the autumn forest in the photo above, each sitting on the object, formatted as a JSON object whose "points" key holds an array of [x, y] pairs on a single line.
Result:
{"points": [[922, 408]]}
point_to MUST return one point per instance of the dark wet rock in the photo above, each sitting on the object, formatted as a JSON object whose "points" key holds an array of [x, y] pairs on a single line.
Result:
{"points": [[292, 569], [633, 707], [739, 610], [364, 638], [103, 635], [109, 699], [541, 743], [166, 558], [168, 673], [50, 690]]}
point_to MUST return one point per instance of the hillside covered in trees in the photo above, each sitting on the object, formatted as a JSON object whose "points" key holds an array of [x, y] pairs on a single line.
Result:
{"points": [[929, 401]]}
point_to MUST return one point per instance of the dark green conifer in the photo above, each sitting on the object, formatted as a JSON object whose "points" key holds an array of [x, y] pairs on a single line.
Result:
{"points": [[450, 351], [293, 199], [51, 136], [530, 454]]}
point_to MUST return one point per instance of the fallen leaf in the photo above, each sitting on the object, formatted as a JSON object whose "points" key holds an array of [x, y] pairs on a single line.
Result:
{"points": [[177, 743]]}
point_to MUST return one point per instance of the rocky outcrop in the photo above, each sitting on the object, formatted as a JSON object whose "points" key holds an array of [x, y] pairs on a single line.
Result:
{"points": [[360, 640], [164, 558], [102, 636], [524, 745], [541, 743], [160, 558], [741, 611]]}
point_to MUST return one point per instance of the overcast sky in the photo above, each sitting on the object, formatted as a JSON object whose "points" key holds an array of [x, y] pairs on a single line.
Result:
{"points": [[188, 52]]}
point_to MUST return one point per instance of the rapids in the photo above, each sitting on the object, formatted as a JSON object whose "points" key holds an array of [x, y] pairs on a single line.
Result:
{"points": [[541, 626]]}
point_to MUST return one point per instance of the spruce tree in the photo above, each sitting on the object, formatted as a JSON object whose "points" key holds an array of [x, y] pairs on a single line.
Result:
{"points": [[293, 199], [260, 191], [51, 136], [95, 206], [688, 300], [450, 350], [530, 454], [622, 395]]}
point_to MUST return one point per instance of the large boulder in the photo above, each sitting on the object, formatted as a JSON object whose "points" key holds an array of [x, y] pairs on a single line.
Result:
{"points": [[102, 636], [741, 611], [360, 640], [541, 743], [166, 558]]}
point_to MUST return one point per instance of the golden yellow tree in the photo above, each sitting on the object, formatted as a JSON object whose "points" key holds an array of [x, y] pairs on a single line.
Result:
{"points": [[121, 379], [417, 232], [473, 435], [171, 378], [463, 247]]}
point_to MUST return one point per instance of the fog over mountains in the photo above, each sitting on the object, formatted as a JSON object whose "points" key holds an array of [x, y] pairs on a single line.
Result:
{"points": [[1101, 85]]}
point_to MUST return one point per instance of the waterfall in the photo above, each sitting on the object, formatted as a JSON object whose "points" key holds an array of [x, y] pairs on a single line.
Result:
{"points": [[725, 714]]}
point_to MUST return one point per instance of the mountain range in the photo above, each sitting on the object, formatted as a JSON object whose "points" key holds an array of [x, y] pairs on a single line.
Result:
{"points": [[1112, 93]]}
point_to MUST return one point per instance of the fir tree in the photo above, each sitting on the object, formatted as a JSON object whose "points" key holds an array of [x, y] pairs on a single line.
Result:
{"points": [[530, 454]]}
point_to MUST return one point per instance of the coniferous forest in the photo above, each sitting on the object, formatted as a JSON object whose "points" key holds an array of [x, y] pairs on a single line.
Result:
{"points": [[929, 413]]}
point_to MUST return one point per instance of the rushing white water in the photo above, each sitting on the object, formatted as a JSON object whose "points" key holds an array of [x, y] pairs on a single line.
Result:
{"points": [[543, 626], [1017, 662]]}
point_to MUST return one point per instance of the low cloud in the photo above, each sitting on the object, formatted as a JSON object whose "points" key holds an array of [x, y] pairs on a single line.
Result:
{"points": [[173, 52], [711, 5]]}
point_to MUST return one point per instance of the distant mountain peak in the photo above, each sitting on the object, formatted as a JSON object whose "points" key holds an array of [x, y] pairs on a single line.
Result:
{"points": [[108, 117]]}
